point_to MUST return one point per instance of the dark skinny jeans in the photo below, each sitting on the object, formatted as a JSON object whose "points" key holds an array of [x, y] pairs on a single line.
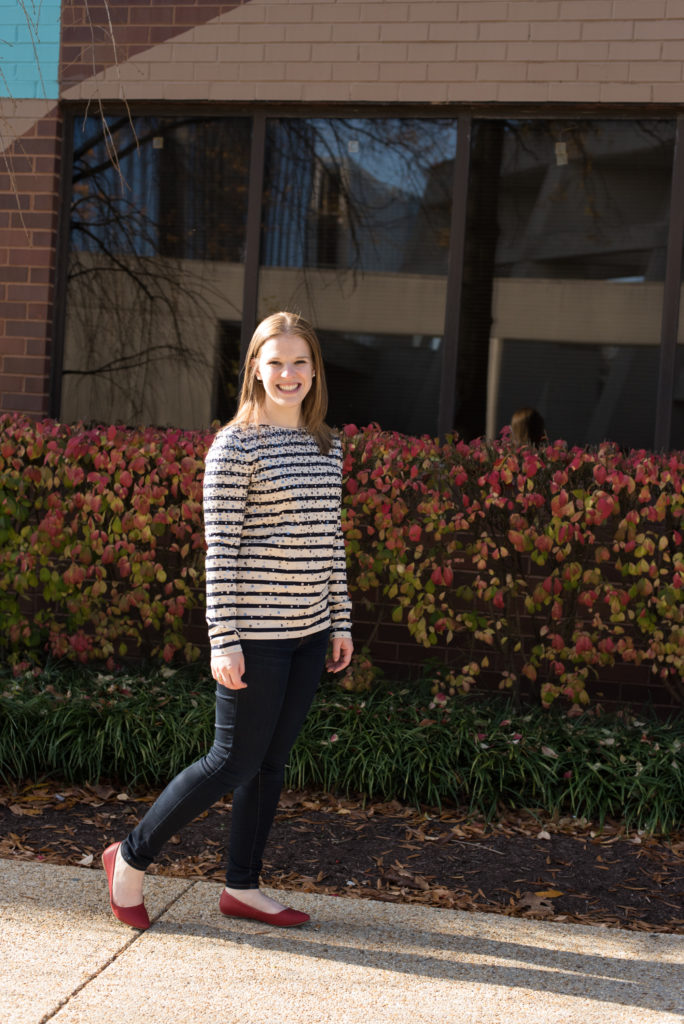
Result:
{"points": [[255, 730]]}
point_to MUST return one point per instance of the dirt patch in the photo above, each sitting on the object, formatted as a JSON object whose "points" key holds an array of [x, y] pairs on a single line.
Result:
{"points": [[521, 865]]}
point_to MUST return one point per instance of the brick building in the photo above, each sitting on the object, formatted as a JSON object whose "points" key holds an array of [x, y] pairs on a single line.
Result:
{"points": [[479, 203]]}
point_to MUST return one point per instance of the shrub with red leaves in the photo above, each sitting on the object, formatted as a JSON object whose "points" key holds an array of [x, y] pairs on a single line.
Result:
{"points": [[556, 562]]}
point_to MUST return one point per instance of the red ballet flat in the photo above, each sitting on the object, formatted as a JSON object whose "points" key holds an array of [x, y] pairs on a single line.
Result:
{"points": [[136, 916], [287, 918]]}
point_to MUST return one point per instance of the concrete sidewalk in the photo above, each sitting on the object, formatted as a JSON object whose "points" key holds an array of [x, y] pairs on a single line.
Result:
{"points": [[64, 958]]}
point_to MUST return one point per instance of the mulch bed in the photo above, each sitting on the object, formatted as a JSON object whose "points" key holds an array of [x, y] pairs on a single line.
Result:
{"points": [[521, 865]]}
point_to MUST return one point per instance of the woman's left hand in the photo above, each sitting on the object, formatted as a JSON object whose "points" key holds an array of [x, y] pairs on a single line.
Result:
{"points": [[342, 650]]}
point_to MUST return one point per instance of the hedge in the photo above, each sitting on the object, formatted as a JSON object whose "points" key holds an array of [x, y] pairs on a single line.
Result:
{"points": [[558, 563], [547, 565]]}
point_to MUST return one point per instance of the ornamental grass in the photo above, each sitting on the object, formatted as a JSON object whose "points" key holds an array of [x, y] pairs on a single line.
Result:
{"points": [[402, 743]]}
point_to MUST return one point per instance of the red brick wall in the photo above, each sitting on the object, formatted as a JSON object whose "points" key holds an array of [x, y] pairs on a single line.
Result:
{"points": [[393, 649], [29, 198], [87, 29]]}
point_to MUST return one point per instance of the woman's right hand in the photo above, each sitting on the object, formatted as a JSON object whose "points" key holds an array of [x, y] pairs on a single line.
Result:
{"points": [[228, 670]]}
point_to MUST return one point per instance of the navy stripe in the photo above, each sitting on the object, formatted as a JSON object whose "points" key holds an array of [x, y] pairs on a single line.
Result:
{"points": [[275, 552]]}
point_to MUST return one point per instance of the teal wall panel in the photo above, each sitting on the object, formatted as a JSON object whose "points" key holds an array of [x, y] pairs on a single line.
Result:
{"points": [[29, 49]]}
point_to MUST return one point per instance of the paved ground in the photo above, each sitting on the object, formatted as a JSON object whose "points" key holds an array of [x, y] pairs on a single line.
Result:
{"points": [[64, 958]]}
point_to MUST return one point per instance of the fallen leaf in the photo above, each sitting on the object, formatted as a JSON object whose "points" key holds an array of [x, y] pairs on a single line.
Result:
{"points": [[29, 812], [550, 894], [543, 834], [534, 903], [403, 878], [85, 861]]}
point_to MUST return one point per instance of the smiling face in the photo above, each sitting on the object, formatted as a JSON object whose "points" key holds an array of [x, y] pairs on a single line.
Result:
{"points": [[284, 366]]}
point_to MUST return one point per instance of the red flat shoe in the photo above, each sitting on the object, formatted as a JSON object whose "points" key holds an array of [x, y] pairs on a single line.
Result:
{"points": [[287, 918], [136, 916]]}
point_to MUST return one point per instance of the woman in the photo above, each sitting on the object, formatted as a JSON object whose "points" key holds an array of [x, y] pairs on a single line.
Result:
{"points": [[276, 594]]}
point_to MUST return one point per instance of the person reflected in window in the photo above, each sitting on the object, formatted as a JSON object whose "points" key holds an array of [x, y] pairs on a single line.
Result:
{"points": [[277, 598], [527, 427]]}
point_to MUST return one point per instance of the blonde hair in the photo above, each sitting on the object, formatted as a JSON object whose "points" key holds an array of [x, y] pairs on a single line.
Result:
{"points": [[252, 393], [527, 426]]}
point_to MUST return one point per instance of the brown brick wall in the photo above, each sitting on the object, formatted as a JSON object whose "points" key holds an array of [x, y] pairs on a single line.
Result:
{"points": [[393, 649], [472, 51], [96, 35], [29, 191]]}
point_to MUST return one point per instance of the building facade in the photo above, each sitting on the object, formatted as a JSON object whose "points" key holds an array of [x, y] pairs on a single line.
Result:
{"points": [[480, 204]]}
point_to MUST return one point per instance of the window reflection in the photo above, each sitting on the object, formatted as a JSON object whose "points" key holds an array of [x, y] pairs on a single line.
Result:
{"points": [[155, 267], [565, 260], [356, 237], [371, 374]]}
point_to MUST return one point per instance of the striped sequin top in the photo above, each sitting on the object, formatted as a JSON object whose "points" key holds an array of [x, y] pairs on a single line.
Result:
{"points": [[275, 564]]}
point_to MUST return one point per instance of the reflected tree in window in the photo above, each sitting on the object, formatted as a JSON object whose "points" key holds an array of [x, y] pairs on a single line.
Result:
{"points": [[565, 259], [359, 194], [142, 294]]}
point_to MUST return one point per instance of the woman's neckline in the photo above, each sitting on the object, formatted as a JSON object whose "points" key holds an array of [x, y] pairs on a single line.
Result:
{"points": [[277, 426]]}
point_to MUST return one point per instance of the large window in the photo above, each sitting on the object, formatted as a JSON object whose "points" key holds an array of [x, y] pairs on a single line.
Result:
{"points": [[566, 252], [355, 235], [531, 260], [155, 269]]}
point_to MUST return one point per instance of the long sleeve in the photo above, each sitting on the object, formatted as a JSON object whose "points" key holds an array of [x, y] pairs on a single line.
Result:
{"points": [[340, 602], [226, 483]]}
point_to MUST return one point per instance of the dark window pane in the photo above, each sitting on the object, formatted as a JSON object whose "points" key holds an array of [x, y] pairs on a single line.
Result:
{"points": [[204, 199], [677, 430], [372, 375], [228, 376], [677, 423], [585, 392]]}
